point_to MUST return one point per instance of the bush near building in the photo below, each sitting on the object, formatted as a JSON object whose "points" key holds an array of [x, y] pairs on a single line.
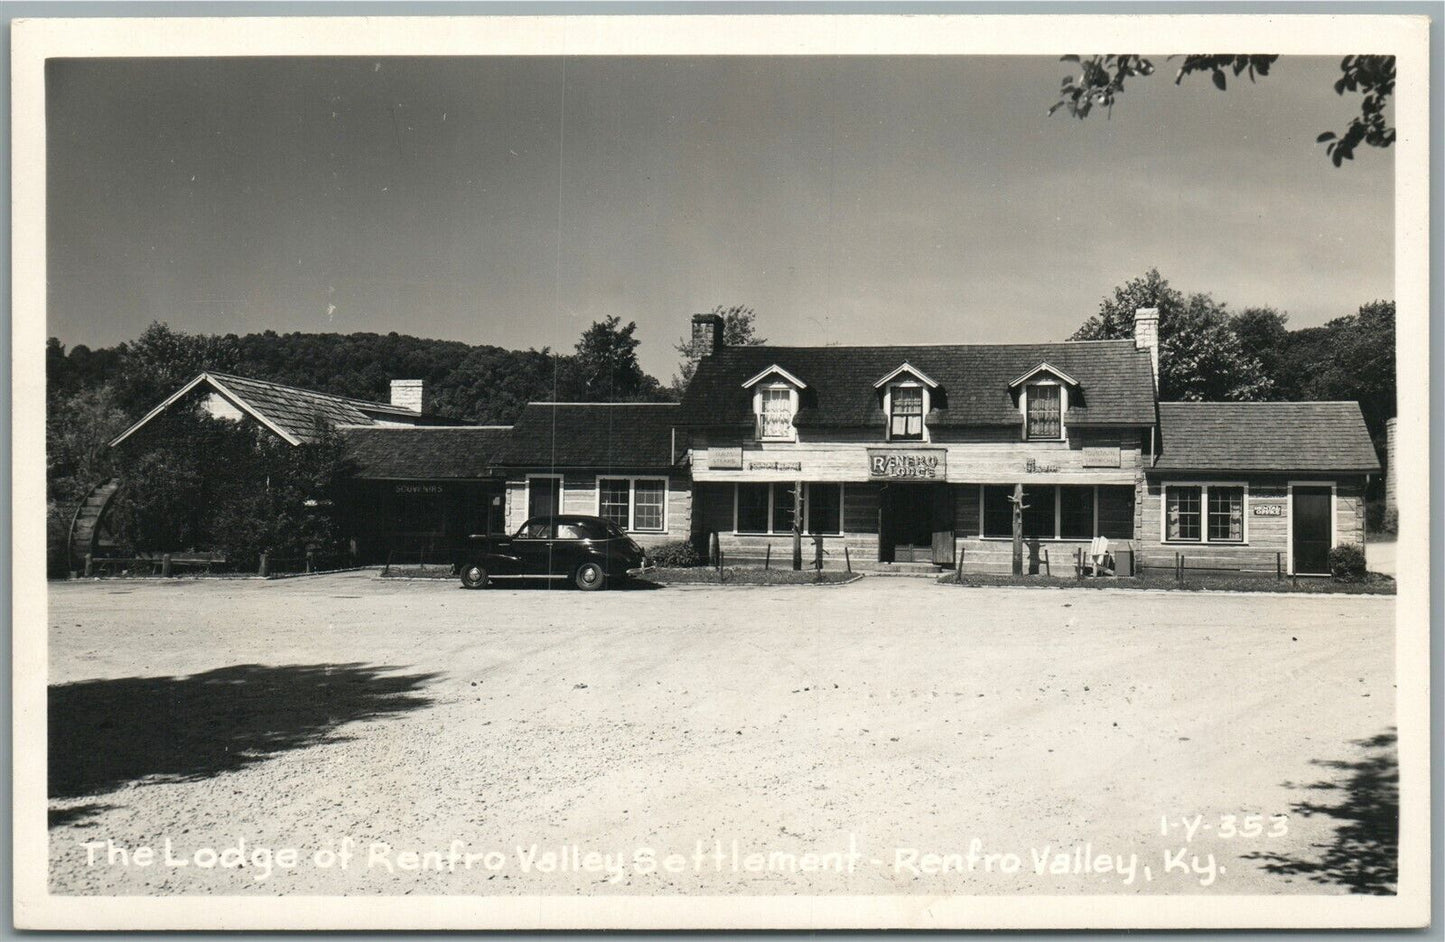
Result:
{"points": [[1347, 562]]}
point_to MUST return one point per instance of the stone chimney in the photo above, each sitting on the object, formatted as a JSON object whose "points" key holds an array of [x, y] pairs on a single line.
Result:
{"points": [[408, 393], [707, 334], [1146, 337]]}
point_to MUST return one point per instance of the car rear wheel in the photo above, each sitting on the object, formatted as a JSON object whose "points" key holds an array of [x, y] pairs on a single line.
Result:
{"points": [[474, 576], [590, 576]]}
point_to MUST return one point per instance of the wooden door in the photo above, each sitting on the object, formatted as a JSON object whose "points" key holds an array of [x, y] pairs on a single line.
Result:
{"points": [[942, 525], [1312, 525]]}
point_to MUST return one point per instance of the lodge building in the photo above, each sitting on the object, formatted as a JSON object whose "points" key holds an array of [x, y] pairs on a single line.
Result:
{"points": [[902, 454]]}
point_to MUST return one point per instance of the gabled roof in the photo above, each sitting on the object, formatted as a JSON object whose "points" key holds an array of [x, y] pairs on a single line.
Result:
{"points": [[1264, 436], [1044, 367], [775, 368], [286, 410], [1115, 382], [606, 436], [396, 453], [909, 368]]}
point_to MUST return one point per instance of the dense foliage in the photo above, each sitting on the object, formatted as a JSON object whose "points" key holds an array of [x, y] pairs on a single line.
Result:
{"points": [[1347, 562]]}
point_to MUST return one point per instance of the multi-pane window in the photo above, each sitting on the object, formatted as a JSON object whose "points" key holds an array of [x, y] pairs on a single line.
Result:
{"points": [[1081, 512], [776, 420], [612, 500], [782, 508], [825, 508], [1076, 512], [633, 503], [1116, 512], [1045, 412], [1226, 514], [1182, 513], [906, 408], [649, 498]]}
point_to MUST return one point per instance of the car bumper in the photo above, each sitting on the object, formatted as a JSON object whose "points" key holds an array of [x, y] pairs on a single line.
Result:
{"points": [[644, 569]]}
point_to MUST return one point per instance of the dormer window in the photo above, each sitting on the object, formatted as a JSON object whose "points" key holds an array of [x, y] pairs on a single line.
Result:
{"points": [[905, 413], [775, 403], [907, 397], [1044, 400], [1044, 403]]}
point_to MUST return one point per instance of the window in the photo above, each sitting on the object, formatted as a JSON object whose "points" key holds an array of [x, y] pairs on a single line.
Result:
{"points": [[536, 530], [648, 505], [825, 508], [1116, 512], [636, 504], [752, 503], [571, 531], [1181, 513], [1038, 514], [612, 501], [906, 419], [1226, 515], [776, 419], [768, 508], [782, 508], [1076, 512], [1045, 411]]}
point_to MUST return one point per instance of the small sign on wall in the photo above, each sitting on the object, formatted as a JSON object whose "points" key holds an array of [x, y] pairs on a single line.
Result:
{"points": [[1268, 510], [907, 464], [725, 458], [1101, 456]]}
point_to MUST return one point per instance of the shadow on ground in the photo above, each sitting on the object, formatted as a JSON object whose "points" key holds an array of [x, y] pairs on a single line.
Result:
{"points": [[106, 733], [1364, 854]]}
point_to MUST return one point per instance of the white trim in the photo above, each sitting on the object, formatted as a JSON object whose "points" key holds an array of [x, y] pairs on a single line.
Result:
{"points": [[527, 495], [1045, 365], [758, 398], [1063, 410], [775, 368], [922, 419], [631, 480], [1204, 486], [1289, 517], [907, 368], [229, 396]]}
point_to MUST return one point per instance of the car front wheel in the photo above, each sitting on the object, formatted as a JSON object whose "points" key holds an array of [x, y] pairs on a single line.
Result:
{"points": [[474, 576], [590, 576]]}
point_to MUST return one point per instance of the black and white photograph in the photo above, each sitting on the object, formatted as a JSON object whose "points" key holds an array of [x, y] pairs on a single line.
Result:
{"points": [[721, 472]]}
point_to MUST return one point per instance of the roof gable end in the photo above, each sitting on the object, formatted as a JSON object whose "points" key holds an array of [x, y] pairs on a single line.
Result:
{"points": [[775, 369], [1043, 367], [911, 370]]}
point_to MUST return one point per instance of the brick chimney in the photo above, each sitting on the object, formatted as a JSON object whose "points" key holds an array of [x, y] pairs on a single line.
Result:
{"points": [[707, 334], [1146, 337], [408, 394]]}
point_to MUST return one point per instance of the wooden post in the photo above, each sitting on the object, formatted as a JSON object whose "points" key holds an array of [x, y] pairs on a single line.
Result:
{"points": [[265, 568], [714, 547], [165, 564], [768, 556], [1048, 570], [959, 565], [847, 560], [89, 565], [310, 560], [1018, 530], [818, 551], [1278, 567], [797, 526]]}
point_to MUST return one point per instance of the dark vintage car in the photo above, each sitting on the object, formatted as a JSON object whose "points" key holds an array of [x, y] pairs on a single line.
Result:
{"points": [[588, 551]]}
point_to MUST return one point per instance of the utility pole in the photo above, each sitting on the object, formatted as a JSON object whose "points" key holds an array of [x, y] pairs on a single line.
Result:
{"points": [[797, 526], [1018, 528]]}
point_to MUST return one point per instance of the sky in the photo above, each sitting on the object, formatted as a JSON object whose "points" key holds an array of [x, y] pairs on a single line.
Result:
{"points": [[514, 200]]}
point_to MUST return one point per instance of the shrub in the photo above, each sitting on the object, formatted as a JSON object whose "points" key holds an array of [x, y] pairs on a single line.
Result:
{"points": [[1380, 520], [1347, 562], [677, 555]]}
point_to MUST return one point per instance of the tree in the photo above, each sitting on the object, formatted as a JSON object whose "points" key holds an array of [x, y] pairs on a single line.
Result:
{"points": [[1200, 356], [1101, 80], [739, 330], [1263, 335], [605, 367], [161, 360]]}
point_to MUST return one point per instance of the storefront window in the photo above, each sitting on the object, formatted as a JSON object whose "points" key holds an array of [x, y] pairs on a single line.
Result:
{"points": [[825, 508], [1116, 512], [1045, 413], [1181, 513], [752, 508], [906, 422], [1226, 514], [782, 508], [997, 510], [1076, 512]]}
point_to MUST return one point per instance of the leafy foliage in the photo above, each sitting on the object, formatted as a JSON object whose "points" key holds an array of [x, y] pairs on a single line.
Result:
{"points": [[676, 555], [1201, 358], [1375, 77], [1347, 562], [1100, 81], [605, 368], [739, 330]]}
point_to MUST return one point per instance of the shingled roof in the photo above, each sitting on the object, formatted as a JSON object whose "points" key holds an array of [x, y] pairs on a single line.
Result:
{"points": [[288, 411], [625, 435], [1116, 383], [1264, 436], [395, 453]]}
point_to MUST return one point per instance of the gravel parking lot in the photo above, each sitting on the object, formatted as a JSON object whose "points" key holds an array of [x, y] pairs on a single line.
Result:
{"points": [[888, 736]]}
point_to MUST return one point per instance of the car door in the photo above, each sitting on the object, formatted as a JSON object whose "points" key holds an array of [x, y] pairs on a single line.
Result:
{"points": [[532, 547], [568, 549]]}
